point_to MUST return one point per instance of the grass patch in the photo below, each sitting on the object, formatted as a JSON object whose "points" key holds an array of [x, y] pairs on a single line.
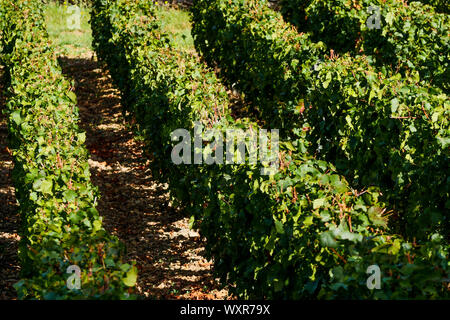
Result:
{"points": [[177, 24], [68, 41]]}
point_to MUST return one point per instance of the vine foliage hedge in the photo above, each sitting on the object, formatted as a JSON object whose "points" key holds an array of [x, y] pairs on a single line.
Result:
{"points": [[301, 233], [410, 37], [440, 5], [60, 225], [378, 127], [391, 133], [263, 57]]}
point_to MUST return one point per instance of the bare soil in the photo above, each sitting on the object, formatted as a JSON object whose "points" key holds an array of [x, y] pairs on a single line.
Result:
{"points": [[133, 205], [9, 220]]}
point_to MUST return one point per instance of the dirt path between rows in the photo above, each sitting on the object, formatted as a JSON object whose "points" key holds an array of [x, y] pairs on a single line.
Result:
{"points": [[9, 238], [135, 207]]}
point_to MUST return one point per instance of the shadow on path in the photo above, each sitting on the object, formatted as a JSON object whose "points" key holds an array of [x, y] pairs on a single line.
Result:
{"points": [[133, 206], [9, 239]]}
